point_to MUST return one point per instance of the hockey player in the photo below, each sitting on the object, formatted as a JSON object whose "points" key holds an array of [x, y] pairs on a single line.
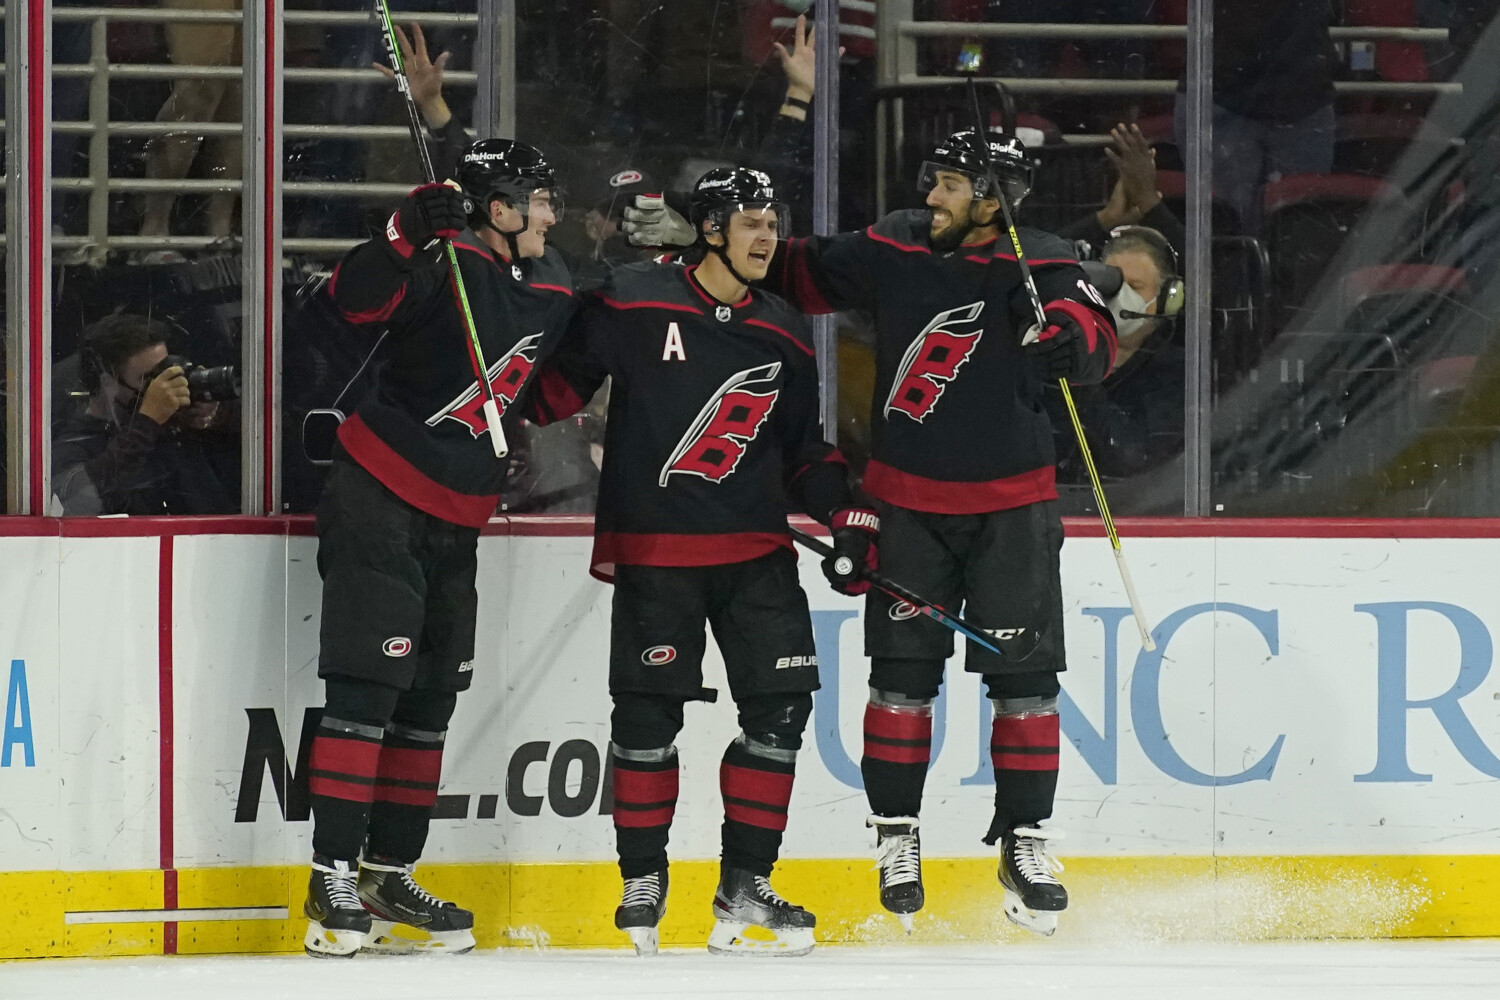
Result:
{"points": [[962, 470], [712, 436], [413, 480]]}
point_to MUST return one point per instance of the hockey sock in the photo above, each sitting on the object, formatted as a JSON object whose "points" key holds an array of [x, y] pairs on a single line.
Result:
{"points": [[645, 787], [898, 745], [342, 768], [406, 784], [1024, 744], [756, 782]]}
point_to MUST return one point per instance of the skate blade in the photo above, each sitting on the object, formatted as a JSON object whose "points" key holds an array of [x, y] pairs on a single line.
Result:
{"points": [[905, 919], [1043, 922], [731, 937], [323, 943], [644, 939], [391, 938]]}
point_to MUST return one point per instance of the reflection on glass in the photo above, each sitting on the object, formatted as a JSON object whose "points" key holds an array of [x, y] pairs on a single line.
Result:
{"points": [[145, 200], [1358, 380]]}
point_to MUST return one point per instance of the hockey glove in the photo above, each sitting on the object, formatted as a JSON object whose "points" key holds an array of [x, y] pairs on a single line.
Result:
{"points": [[431, 212], [1060, 350], [855, 531], [650, 223]]}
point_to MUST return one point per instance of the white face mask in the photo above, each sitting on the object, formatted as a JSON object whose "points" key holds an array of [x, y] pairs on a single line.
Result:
{"points": [[1127, 299]]}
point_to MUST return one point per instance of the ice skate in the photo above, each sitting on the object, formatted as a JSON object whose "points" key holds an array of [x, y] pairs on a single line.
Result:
{"points": [[899, 857], [752, 920], [408, 919], [337, 922], [641, 908], [1033, 895]]}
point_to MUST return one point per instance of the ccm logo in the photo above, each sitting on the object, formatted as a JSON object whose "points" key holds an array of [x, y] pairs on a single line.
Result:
{"points": [[658, 656], [396, 645], [901, 611], [788, 662], [1005, 633]]}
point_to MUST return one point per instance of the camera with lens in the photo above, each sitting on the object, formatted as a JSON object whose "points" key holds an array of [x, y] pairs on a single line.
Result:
{"points": [[205, 385]]}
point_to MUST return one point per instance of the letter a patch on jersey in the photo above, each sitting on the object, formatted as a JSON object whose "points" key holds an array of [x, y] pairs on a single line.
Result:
{"points": [[728, 422], [933, 360], [673, 351], [507, 376]]}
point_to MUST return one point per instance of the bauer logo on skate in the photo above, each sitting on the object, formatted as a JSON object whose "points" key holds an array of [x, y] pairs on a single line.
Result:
{"points": [[396, 645], [933, 359], [659, 656], [507, 376], [716, 440]]}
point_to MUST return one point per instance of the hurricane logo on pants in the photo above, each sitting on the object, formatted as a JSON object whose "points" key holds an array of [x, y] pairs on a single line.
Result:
{"points": [[728, 422], [933, 360], [507, 376]]}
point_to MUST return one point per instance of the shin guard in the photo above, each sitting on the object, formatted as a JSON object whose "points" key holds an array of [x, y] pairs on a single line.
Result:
{"points": [[898, 746], [645, 788], [342, 770], [1024, 744], [406, 787], [756, 782]]}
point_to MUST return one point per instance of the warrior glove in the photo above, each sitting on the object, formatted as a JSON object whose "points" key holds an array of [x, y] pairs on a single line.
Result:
{"points": [[855, 532]]}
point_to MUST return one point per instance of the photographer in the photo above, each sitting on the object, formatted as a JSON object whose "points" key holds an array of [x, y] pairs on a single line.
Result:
{"points": [[142, 445]]}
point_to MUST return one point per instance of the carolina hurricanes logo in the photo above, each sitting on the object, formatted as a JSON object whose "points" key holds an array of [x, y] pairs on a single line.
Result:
{"points": [[933, 360], [728, 422], [507, 376]]}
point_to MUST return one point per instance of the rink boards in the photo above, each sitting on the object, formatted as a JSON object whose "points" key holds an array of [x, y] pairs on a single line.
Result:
{"points": [[1311, 750]]}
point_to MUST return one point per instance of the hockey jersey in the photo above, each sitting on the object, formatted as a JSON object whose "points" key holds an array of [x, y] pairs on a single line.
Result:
{"points": [[420, 430], [712, 433], [957, 423]]}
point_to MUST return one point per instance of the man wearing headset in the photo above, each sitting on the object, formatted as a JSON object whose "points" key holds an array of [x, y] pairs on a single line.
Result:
{"points": [[1134, 418]]}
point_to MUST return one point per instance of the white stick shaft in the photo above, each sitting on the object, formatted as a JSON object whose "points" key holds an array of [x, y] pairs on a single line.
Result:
{"points": [[1135, 602], [497, 433]]}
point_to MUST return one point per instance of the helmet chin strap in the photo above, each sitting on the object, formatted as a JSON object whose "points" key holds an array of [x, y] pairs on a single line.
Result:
{"points": [[722, 254], [510, 238]]}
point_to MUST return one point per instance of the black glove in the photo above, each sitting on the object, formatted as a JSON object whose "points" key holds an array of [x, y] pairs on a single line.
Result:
{"points": [[1060, 350], [855, 531], [431, 212]]}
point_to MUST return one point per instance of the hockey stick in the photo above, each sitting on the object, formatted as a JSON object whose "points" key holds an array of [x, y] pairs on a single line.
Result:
{"points": [[900, 593], [490, 407], [993, 180]]}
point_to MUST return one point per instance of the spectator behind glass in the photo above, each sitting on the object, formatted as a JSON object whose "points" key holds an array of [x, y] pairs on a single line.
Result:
{"points": [[196, 99], [1273, 98], [139, 445], [1134, 418]]}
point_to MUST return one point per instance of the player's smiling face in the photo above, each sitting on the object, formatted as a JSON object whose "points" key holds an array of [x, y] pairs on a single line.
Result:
{"points": [[532, 241], [751, 238], [951, 200]]}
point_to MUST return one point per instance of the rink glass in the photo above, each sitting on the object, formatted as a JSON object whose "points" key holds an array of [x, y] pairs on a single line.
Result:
{"points": [[1339, 352]]}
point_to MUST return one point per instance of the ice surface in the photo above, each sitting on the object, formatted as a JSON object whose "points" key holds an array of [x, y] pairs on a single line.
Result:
{"points": [[1452, 970]]}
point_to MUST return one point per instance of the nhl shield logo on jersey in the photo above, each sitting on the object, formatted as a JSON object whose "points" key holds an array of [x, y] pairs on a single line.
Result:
{"points": [[933, 360], [507, 376], [723, 313], [728, 422]]}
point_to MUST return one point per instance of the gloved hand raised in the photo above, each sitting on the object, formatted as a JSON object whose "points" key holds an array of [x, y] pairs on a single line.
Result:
{"points": [[431, 212], [855, 532], [650, 223]]}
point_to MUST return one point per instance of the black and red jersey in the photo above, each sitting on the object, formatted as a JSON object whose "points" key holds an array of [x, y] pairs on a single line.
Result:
{"points": [[957, 423], [712, 435], [420, 430]]}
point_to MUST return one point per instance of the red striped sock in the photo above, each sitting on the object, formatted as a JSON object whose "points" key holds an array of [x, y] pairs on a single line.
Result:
{"points": [[1024, 752], [342, 770], [645, 801], [898, 745], [757, 790]]}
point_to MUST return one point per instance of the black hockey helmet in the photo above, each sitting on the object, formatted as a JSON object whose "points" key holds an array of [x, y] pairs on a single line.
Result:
{"points": [[722, 191], [961, 153], [508, 169]]}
